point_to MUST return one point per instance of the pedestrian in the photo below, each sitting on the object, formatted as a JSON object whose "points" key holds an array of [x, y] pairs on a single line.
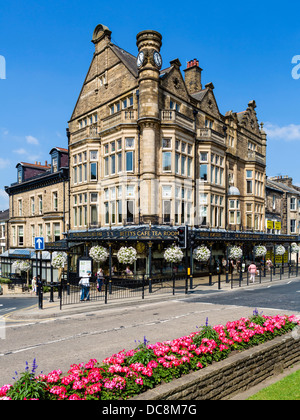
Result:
{"points": [[269, 265], [85, 287], [128, 271], [100, 279], [224, 265], [33, 285], [252, 270]]}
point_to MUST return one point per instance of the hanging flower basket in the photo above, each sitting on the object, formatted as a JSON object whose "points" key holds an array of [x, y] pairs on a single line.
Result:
{"points": [[127, 255], [59, 259], [279, 250], [16, 265], [202, 253], [99, 253], [235, 252], [295, 249], [260, 251], [25, 266], [173, 254]]}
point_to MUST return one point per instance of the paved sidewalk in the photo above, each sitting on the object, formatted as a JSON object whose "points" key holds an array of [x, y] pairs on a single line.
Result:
{"points": [[52, 310]]}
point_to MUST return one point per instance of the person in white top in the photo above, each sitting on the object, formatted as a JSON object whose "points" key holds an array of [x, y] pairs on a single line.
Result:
{"points": [[85, 287]]}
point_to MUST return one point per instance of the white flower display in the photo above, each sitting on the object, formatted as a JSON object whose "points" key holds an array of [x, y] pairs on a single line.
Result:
{"points": [[173, 254], [202, 253], [127, 255], [279, 250], [21, 265], [235, 252], [25, 266], [260, 251], [16, 265], [99, 253], [295, 249], [59, 259]]}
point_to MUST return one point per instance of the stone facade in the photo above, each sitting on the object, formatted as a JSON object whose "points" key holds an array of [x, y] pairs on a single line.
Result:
{"points": [[38, 202], [4, 217], [283, 204], [149, 145]]}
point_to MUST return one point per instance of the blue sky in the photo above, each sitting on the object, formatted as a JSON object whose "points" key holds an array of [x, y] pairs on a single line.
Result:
{"points": [[245, 49]]}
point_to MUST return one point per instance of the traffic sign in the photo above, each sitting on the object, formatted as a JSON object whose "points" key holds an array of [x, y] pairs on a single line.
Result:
{"points": [[39, 244]]}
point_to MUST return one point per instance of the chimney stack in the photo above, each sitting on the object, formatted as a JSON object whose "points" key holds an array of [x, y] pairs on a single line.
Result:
{"points": [[193, 76]]}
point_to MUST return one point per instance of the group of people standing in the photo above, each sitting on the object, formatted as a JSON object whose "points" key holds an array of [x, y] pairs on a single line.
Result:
{"points": [[85, 284]]}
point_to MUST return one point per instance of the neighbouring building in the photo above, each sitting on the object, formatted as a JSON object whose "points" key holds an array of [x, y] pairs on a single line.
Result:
{"points": [[289, 203], [38, 207], [4, 217]]}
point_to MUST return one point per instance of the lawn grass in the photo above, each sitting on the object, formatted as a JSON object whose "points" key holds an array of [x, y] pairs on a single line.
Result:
{"points": [[286, 389]]}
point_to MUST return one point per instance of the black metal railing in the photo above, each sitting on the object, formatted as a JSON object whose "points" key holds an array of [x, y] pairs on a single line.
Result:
{"points": [[123, 287], [140, 286]]}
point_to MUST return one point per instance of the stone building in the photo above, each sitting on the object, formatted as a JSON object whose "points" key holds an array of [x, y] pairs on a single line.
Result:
{"points": [[149, 151], [274, 208], [289, 203], [149, 145], [38, 206], [4, 216]]}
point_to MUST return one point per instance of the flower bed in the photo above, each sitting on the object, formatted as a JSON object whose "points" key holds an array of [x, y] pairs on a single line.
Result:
{"points": [[126, 374]]}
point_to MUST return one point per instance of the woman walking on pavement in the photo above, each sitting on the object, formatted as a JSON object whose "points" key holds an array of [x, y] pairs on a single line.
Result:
{"points": [[100, 279], [252, 270]]}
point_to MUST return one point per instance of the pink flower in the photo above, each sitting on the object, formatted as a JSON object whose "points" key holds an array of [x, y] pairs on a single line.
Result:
{"points": [[59, 390], [4, 389], [139, 381], [54, 376], [93, 389], [74, 397]]}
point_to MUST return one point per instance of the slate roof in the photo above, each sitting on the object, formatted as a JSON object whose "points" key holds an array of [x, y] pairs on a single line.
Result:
{"points": [[128, 59]]}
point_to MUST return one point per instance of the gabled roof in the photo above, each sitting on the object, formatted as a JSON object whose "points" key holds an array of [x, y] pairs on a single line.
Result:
{"points": [[34, 165], [283, 187], [200, 95], [60, 149], [128, 59]]}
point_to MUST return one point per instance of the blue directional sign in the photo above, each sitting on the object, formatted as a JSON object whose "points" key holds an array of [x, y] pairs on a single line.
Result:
{"points": [[39, 244]]}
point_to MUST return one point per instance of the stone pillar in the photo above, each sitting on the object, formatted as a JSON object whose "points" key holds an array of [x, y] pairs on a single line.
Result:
{"points": [[149, 64]]}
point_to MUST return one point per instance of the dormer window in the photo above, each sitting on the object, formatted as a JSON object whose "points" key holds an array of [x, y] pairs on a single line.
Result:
{"points": [[55, 164], [20, 175]]}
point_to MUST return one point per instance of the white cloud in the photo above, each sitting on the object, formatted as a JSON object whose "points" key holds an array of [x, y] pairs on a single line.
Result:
{"points": [[32, 140], [4, 200], [289, 132], [4, 163], [20, 151]]}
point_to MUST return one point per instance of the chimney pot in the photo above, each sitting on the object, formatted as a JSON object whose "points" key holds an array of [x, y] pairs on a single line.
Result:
{"points": [[193, 76]]}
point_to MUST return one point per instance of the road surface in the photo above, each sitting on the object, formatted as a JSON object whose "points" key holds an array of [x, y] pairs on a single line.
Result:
{"points": [[57, 343]]}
